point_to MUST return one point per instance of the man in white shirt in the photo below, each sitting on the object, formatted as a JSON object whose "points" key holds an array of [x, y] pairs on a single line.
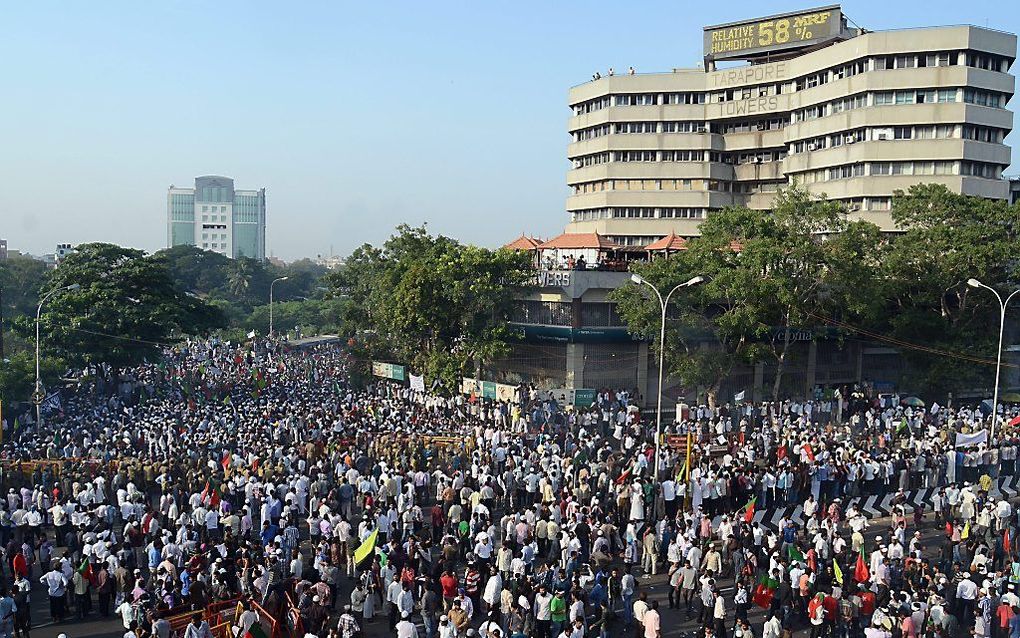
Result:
{"points": [[56, 588], [543, 614], [405, 628]]}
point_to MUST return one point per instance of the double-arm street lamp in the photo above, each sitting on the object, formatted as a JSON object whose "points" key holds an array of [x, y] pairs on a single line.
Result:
{"points": [[38, 380], [271, 302], [663, 302], [974, 283]]}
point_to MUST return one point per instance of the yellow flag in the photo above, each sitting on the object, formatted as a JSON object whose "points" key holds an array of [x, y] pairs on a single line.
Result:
{"points": [[366, 548], [837, 571], [965, 534]]}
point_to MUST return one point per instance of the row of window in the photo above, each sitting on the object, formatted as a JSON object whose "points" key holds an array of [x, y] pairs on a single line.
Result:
{"points": [[215, 194], [558, 313], [600, 130], [214, 245], [885, 133], [221, 236], [876, 63], [914, 167], [246, 208], [205, 209], [680, 184], [879, 98], [182, 207], [638, 212]]}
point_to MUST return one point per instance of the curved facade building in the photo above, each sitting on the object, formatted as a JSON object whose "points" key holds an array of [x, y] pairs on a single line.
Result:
{"points": [[855, 116]]}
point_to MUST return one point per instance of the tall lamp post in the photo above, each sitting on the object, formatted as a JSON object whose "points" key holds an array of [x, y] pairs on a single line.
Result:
{"points": [[38, 380], [974, 283], [271, 302], [663, 303]]}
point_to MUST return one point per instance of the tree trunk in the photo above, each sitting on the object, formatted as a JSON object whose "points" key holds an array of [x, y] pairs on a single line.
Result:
{"points": [[781, 360], [712, 393]]}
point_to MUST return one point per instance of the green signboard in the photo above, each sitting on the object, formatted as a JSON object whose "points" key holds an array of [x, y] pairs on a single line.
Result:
{"points": [[584, 398], [488, 390], [389, 371]]}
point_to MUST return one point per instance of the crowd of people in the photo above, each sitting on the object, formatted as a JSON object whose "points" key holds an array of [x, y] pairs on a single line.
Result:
{"points": [[251, 489]]}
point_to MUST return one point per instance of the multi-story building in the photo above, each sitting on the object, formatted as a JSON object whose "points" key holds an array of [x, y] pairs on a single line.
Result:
{"points": [[63, 250], [3, 249], [854, 114], [850, 113], [215, 216]]}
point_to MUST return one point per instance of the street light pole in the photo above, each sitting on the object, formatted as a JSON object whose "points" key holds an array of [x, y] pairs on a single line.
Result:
{"points": [[663, 303], [38, 381], [273, 283], [974, 283]]}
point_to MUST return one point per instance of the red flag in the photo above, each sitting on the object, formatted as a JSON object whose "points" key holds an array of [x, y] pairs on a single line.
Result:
{"points": [[1006, 544], [1015, 420], [861, 573], [623, 477], [762, 596], [749, 510], [809, 452], [20, 564], [212, 493], [225, 462], [781, 453]]}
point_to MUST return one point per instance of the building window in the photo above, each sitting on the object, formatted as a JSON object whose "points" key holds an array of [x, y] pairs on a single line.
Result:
{"points": [[946, 95]]}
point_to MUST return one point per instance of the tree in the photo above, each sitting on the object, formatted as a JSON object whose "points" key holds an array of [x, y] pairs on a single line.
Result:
{"points": [[698, 351], [768, 273], [128, 306], [21, 278], [792, 266], [947, 238], [17, 376], [195, 270], [431, 301]]}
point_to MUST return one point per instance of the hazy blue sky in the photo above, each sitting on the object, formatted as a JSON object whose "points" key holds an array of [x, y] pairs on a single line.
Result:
{"points": [[355, 117]]}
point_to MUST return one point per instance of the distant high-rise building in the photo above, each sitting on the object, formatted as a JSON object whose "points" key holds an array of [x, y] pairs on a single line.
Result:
{"points": [[3, 249], [214, 216], [63, 250]]}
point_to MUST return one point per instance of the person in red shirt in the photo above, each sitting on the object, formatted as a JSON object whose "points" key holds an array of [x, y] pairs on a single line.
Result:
{"points": [[1004, 614], [831, 606], [448, 582], [907, 628], [867, 605]]}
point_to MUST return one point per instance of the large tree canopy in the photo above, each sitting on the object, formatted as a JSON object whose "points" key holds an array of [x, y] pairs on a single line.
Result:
{"points": [[767, 273], [806, 266], [127, 306], [431, 301], [947, 239]]}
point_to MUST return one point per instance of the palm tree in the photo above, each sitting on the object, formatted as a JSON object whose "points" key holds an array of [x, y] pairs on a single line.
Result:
{"points": [[240, 279]]}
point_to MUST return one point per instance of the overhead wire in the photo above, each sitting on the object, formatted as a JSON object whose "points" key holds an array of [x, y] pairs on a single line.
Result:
{"points": [[907, 344]]}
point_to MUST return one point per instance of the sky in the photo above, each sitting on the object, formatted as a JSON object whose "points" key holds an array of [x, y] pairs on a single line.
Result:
{"points": [[354, 117]]}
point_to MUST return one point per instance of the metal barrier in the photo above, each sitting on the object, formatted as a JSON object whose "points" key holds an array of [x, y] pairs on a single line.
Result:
{"points": [[267, 620]]}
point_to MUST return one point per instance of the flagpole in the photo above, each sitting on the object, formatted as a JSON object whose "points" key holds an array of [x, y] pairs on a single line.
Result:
{"points": [[687, 470]]}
